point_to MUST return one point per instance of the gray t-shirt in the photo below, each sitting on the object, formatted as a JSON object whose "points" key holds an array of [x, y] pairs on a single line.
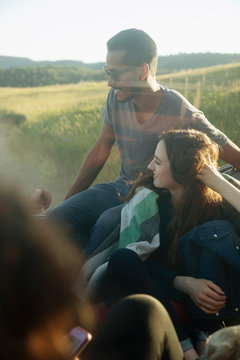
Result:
{"points": [[137, 142]]}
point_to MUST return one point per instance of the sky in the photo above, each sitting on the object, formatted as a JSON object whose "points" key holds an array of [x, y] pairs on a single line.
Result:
{"points": [[79, 29]]}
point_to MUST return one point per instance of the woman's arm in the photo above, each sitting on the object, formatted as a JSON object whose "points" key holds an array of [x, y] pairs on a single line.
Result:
{"points": [[212, 178], [204, 293]]}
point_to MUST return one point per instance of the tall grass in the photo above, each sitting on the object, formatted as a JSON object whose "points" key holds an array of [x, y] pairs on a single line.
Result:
{"points": [[56, 125], [215, 91]]}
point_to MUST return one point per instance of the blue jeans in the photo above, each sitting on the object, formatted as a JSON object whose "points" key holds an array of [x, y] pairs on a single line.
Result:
{"points": [[80, 212]]}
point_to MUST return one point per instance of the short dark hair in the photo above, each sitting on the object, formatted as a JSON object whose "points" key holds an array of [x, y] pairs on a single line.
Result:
{"points": [[139, 47]]}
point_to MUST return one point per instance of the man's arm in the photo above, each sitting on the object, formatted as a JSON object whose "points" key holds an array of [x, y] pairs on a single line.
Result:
{"points": [[94, 161], [231, 154], [230, 151]]}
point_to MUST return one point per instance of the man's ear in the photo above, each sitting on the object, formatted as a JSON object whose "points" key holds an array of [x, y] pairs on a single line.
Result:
{"points": [[144, 71]]}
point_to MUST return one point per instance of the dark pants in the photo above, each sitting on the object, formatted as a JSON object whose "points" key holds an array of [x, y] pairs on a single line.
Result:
{"points": [[126, 274], [137, 328], [85, 215]]}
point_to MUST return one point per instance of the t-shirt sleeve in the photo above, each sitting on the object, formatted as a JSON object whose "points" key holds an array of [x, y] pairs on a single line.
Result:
{"points": [[201, 123], [107, 113]]}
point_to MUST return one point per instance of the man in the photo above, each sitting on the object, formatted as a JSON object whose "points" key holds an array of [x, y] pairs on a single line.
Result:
{"points": [[138, 109]]}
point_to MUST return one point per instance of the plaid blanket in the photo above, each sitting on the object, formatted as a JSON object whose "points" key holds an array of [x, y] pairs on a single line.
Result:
{"points": [[138, 231]]}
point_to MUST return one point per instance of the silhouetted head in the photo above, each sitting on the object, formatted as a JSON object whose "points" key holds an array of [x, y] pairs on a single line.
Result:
{"points": [[224, 344], [179, 157], [138, 46], [38, 267], [131, 63]]}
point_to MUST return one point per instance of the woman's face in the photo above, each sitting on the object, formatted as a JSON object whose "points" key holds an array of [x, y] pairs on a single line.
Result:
{"points": [[160, 167]]}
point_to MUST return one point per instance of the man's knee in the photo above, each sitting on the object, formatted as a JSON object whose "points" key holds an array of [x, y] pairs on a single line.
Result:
{"points": [[112, 215], [108, 220]]}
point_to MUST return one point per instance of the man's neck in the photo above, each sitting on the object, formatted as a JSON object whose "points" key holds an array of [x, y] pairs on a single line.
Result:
{"points": [[149, 96], [147, 102]]}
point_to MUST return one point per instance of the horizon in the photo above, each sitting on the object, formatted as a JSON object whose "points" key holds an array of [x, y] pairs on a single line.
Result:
{"points": [[69, 29], [102, 61]]}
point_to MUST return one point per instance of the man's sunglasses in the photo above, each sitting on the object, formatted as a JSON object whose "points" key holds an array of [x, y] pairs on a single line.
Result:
{"points": [[115, 74]]}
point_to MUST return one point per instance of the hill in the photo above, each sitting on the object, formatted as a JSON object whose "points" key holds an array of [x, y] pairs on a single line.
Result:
{"points": [[48, 75], [194, 61], [24, 72], [7, 62], [169, 62]]}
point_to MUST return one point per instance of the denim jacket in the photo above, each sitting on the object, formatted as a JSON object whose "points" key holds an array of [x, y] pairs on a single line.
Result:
{"points": [[212, 251]]}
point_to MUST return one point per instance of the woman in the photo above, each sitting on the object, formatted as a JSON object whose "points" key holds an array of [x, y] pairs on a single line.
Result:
{"points": [[184, 203]]}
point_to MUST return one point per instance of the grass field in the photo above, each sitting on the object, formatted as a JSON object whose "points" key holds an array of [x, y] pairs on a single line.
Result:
{"points": [[50, 129]]}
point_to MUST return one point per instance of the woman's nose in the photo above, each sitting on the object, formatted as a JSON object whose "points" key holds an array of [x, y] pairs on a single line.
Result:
{"points": [[150, 165]]}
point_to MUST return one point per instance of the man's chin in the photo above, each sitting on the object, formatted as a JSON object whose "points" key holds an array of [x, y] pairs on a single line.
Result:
{"points": [[123, 96]]}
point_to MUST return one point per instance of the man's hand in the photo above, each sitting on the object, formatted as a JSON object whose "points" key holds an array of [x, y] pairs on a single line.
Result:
{"points": [[39, 199]]}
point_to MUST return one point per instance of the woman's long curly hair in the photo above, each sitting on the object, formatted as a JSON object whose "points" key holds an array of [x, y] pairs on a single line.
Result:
{"points": [[188, 151]]}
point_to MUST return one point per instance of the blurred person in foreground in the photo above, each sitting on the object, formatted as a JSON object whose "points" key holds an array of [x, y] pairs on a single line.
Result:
{"points": [[224, 344], [38, 307], [38, 269]]}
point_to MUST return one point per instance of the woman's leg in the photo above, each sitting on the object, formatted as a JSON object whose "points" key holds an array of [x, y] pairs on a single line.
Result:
{"points": [[138, 327], [126, 274]]}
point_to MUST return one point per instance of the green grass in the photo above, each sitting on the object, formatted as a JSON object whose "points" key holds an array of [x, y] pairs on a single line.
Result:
{"points": [[55, 126], [215, 91]]}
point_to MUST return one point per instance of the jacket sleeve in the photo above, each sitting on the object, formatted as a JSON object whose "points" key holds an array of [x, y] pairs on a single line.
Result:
{"points": [[167, 275], [231, 215], [160, 272]]}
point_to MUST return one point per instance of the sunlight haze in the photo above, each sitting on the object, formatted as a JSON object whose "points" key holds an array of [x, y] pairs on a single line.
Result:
{"points": [[78, 30]]}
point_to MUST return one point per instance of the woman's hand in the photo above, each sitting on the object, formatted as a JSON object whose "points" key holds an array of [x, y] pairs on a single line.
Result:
{"points": [[208, 296], [39, 199], [210, 176]]}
